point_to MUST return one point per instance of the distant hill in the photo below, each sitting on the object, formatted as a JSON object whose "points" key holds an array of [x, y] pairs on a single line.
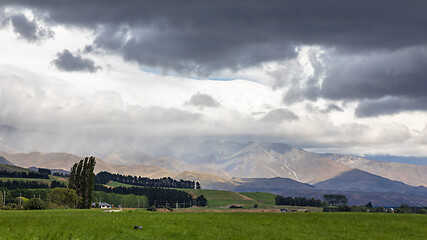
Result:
{"points": [[361, 181], [4, 161], [12, 168], [52, 170], [51, 160], [407, 173], [269, 185], [361, 198]]}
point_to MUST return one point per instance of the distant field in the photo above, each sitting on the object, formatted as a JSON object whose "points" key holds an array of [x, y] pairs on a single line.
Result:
{"points": [[262, 198], [218, 199], [119, 184], [48, 181], [95, 224]]}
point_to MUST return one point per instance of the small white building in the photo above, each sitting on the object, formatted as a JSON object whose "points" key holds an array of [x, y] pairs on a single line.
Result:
{"points": [[102, 205]]}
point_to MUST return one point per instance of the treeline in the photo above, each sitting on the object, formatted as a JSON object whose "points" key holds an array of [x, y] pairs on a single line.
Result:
{"points": [[335, 199], [36, 199], [404, 208], [159, 197], [58, 174], [105, 177], [14, 184], [298, 201], [30, 174], [126, 201]]}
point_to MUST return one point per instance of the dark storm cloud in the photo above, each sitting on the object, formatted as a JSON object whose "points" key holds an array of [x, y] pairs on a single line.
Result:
{"points": [[375, 49], [29, 30], [279, 115], [68, 62], [383, 82], [202, 100], [390, 105], [398, 73], [205, 36]]}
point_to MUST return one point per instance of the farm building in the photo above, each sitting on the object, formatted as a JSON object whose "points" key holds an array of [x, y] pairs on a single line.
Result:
{"points": [[101, 205]]}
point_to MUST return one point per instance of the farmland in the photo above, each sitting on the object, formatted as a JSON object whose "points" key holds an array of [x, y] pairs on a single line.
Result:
{"points": [[95, 224], [119, 184]]}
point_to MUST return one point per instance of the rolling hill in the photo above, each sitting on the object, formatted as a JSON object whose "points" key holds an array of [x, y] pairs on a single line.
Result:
{"points": [[11, 168], [361, 181], [4, 161], [410, 174]]}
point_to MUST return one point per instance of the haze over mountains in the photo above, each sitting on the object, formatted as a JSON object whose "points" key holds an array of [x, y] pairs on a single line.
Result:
{"points": [[253, 166]]}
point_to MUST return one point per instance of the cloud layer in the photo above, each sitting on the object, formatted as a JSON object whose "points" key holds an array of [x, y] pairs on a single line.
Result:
{"points": [[338, 73], [201, 37]]}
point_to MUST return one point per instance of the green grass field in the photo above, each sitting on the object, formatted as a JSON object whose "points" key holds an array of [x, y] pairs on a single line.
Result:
{"points": [[218, 199], [95, 224], [267, 199], [119, 184], [48, 181]]}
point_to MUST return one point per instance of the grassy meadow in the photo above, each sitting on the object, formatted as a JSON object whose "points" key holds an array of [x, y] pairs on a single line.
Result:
{"points": [[95, 224], [218, 199], [48, 181], [119, 184]]}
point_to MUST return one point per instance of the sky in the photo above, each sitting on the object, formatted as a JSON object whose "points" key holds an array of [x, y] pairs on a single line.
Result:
{"points": [[328, 76]]}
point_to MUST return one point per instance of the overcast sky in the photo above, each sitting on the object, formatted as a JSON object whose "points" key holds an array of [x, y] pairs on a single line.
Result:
{"points": [[329, 76]]}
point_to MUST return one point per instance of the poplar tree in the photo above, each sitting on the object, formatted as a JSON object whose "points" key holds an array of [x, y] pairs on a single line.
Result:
{"points": [[82, 180]]}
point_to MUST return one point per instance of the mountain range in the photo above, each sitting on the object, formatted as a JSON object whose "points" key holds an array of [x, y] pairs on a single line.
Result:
{"points": [[258, 166]]}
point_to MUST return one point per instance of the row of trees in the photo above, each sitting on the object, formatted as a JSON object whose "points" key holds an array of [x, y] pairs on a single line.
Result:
{"points": [[14, 184], [41, 199], [105, 177], [298, 201], [159, 197], [29, 174]]}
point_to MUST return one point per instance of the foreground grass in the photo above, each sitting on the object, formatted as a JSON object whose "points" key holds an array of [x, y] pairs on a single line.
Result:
{"points": [[94, 224]]}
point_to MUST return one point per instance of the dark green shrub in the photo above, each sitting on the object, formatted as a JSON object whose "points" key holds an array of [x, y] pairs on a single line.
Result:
{"points": [[234, 206], [15, 206], [152, 208], [422, 211], [35, 204], [6, 208], [379, 209]]}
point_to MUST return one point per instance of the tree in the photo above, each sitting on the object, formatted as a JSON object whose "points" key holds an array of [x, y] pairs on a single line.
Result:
{"points": [[335, 199], [369, 205], [82, 180], [57, 184], [65, 197], [45, 171], [201, 201]]}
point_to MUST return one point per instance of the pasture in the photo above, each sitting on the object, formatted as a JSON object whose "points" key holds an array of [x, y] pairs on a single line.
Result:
{"points": [[95, 224]]}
